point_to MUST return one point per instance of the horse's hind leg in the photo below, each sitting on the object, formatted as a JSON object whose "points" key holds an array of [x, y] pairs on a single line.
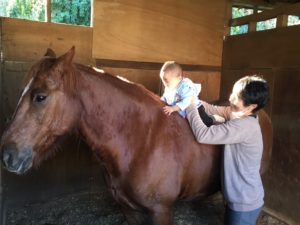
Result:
{"points": [[162, 215], [134, 217]]}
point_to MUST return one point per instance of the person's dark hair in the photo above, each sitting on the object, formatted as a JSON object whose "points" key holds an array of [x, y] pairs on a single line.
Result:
{"points": [[254, 90]]}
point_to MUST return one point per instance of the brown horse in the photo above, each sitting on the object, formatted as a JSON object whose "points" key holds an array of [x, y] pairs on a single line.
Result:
{"points": [[151, 160]]}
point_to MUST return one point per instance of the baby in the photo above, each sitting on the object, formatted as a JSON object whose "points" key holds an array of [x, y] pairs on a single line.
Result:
{"points": [[180, 92]]}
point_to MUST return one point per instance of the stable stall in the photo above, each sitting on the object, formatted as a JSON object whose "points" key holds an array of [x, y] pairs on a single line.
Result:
{"points": [[133, 39]]}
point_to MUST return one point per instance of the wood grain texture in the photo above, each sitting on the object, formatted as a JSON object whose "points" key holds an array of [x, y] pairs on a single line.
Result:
{"points": [[25, 40], [210, 81], [155, 31]]}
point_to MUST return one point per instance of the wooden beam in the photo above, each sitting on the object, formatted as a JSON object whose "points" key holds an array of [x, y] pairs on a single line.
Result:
{"points": [[254, 3], [48, 9], [252, 27], [228, 15], [151, 65], [282, 20], [293, 9]]}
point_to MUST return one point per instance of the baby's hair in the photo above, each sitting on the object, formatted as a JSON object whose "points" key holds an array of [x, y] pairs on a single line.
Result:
{"points": [[171, 66]]}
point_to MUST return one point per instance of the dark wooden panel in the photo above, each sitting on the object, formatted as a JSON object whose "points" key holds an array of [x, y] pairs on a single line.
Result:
{"points": [[282, 181], [266, 49]]}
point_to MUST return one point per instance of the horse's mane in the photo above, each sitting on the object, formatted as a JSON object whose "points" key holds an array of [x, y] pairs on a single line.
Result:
{"points": [[49, 66], [135, 90]]}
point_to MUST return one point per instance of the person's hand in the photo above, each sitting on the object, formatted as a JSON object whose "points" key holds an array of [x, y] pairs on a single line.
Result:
{"points": [[219, 119], [193, 100], [168, 110]]}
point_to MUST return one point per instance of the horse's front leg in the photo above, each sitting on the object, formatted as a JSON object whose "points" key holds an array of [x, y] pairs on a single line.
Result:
{"points": [[162, 215], [134, 217]]}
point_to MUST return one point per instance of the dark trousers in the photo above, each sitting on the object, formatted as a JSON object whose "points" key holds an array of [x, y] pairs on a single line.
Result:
{"points": [[207, 120]]}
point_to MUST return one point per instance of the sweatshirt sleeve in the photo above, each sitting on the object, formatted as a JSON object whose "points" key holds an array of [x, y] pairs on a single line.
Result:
{"points": [[230, 132], [223, 111]]}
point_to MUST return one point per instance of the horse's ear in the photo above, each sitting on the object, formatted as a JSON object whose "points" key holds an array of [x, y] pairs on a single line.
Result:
{"points": [[50, 53], [67, 58]]}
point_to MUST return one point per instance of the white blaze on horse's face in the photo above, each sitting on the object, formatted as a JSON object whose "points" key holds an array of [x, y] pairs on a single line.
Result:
{"points": [[46, 110], [27, 87]]}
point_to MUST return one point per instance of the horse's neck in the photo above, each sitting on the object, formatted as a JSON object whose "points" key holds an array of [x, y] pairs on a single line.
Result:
{"points": [[103, 119]]}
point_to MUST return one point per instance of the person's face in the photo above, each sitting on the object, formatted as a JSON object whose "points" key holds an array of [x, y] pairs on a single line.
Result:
{"points": [[237, 105], [170, 81]]}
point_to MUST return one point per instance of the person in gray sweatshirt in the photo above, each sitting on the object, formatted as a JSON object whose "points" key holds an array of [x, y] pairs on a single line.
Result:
{"points": [[243, 146]]}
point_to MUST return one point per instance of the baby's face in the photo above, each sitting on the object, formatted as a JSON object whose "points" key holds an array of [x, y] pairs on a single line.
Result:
{"points": [[170, 81]]}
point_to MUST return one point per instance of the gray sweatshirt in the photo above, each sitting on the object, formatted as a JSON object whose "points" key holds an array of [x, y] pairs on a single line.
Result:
{"points": [[242, 185]]}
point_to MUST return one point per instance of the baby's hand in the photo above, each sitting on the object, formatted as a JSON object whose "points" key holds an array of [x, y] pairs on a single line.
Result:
{"points": [[169, 109]]}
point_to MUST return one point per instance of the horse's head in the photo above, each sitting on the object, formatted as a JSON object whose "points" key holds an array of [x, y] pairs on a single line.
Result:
{"points": [[47, 109]]}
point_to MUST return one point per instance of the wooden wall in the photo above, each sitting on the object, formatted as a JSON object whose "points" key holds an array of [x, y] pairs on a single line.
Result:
{"points": [[189, 31], [24, 40], [275, 55]]}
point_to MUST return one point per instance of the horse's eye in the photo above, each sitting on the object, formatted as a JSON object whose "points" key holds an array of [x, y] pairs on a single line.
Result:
{"points": [[39, 98]]}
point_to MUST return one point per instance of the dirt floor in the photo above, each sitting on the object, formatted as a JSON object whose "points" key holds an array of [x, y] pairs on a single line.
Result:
{"points": [[100, 209]]}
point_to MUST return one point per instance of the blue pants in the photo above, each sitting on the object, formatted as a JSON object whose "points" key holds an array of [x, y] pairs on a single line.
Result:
{"points": [[241, 218]]}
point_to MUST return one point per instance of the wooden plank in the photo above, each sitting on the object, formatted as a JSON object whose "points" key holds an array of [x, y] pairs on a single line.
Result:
{"points": [[293, 9], [48, 18], [151, 65], [25, 40], [252, 3], [190, 32], [150, 79], [252, 27], [228, 15], [282, 20], [269, 49]]}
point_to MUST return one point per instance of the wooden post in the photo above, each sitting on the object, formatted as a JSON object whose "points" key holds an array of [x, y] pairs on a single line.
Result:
{"points": [[228, 16], [282, 20], [48, 11], [252, 26], [2, 216]]}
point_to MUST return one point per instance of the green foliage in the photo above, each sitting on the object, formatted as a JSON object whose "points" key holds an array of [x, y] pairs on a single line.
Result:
{"points": [[76, 12], [3, 6], [239, 29], [26, 9], [71, 11], [236, 13], [293, 20], [240, 12], [262, 25], [266, 25]]}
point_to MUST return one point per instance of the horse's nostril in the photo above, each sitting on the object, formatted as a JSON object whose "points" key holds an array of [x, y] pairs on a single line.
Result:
{"points": [[9, 152], [6, 158]]}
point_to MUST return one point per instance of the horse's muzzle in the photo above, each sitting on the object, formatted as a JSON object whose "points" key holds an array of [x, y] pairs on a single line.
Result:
{"points": [[16, 160]]}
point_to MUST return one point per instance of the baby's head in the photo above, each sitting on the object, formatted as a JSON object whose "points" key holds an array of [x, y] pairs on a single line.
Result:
{"points": [[171, 74]]}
